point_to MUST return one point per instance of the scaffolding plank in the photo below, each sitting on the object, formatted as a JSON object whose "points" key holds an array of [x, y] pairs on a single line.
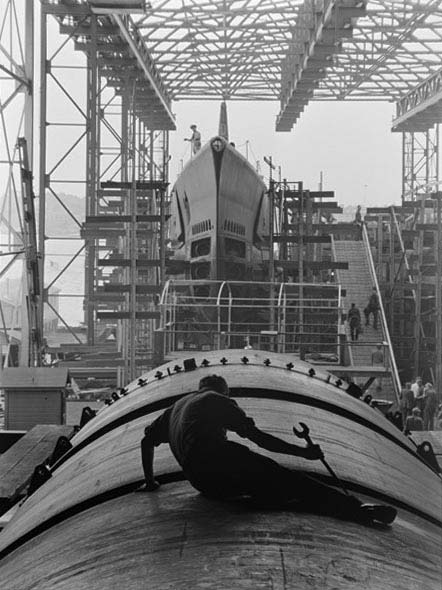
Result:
{"points": [[127, 262], [313, 265], [143, 185], [335, 227], [125, 288], [426, 226], [126, 315], [312, 194], [305, 239], [316, 205], [326, 206], [378, 210], [107, 219], [418, 204]]}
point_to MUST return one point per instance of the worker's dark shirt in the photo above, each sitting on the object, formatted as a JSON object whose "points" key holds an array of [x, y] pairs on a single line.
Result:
{"points": [[198, 421], [414, 423]]}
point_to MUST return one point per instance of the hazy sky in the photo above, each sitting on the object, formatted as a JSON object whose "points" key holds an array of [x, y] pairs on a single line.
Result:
{"points": [[351, 143]]}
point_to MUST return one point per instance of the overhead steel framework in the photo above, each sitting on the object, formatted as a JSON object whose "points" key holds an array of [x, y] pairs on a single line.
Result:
{"points": [[252, 49], [300, 51], [420, 108]]}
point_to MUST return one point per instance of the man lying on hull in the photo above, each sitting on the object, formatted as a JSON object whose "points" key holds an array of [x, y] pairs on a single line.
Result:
{"points": [[195, 428]]}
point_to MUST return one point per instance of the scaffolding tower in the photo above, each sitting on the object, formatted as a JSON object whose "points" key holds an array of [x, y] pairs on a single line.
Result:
{"points": [[407, 247]]}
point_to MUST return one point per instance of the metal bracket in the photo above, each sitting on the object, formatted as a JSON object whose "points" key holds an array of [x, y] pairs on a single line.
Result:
{"points": [[425, 450], [62, 446], [41, 475]]}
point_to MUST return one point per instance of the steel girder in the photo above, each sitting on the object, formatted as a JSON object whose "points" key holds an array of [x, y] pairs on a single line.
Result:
{"points": [[118, 39], [244, 49], [421, 108]]}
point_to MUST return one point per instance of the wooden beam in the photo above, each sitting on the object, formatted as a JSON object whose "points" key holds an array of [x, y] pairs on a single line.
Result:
{"points": [[139, 185], [125, 288], [313, 265], [127, 262], [126, 315], [304, 239]]}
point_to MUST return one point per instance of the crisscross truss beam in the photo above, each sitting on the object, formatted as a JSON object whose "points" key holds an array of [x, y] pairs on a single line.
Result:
{"points": [[275, 50]]}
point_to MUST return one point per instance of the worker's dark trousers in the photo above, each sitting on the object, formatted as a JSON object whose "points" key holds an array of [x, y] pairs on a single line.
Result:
{"points": [[233, 470]]}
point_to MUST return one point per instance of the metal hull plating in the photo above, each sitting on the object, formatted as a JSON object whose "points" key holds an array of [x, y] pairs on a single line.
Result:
{"points": [[84, 528], [220, 215]]}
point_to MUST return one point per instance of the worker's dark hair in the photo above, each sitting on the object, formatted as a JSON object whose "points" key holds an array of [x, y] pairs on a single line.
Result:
{"points": [[214, 382]]}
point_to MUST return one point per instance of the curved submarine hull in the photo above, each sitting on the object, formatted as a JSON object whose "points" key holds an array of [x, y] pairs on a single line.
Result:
{"points": [[85, 528]]}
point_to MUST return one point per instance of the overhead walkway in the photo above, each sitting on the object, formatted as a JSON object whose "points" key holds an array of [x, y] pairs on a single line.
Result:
{"points": [[358, 281]]}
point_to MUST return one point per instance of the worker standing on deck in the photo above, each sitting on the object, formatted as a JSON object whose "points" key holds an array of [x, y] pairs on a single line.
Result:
{"points": [[418, 391], [407, 402], [377, 360], [430, 406], [195, 428], [414, 422], [195, 140]]}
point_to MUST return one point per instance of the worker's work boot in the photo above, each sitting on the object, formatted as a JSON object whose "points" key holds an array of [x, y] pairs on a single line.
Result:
{"points": [[377, 513]]}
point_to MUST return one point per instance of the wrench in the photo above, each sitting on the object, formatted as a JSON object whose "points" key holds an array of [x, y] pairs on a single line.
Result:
{"points": [[303, 432]]}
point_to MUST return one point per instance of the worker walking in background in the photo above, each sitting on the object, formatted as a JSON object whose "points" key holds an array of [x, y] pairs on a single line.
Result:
{"points": [[195, 140], [373, 307], [354, 320]]}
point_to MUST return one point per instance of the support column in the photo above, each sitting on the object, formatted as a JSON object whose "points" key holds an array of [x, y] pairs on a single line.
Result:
{"points": [[92, 175], [29, 74], [125, 158], [418, 302], [438, 293], [43, 180]]}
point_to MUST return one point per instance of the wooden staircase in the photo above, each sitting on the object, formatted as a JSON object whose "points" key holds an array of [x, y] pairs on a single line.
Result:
{"points": [[357, 282]]}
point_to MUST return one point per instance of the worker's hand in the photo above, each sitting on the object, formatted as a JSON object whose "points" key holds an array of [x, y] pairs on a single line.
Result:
{"points": [[151, 485], [313, 452]]}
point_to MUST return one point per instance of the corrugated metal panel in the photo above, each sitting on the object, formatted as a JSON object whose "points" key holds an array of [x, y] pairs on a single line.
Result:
{"points": [[24, 409], [34, 378]]}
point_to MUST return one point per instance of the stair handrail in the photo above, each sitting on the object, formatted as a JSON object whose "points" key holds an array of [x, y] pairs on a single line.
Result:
{"points": [[395, 373]]}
